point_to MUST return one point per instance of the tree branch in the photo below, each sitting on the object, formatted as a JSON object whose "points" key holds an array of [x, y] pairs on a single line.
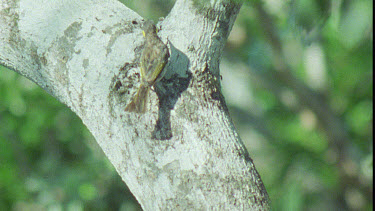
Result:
{"points": [[184, 151]]}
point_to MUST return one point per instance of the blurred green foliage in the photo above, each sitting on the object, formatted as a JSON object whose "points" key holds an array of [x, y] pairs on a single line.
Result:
{"points": [[327, 46], [48, 159]]}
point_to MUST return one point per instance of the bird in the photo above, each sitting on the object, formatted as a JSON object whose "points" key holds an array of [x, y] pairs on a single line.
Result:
{"points": [[153, 59]]}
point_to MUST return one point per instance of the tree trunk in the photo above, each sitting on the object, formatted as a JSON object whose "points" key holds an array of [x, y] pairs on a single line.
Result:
{"points": [[184, 152]]}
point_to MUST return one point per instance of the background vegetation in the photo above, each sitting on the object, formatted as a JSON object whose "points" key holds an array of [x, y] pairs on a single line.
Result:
{"points": [[297, 77]]}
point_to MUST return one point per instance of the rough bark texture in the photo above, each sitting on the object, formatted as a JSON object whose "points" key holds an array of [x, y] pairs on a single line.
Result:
{"points": [[184, 152]]}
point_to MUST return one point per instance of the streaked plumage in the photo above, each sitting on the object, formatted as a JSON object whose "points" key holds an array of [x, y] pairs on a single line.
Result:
{"points": [[153, 60]]}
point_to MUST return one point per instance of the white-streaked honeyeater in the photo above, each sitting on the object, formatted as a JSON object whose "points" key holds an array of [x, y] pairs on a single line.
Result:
{"points": [[153, 60]]}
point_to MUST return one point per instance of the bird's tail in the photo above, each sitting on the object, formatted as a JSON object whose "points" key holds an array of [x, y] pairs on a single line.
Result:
{"points": [[138, 103]]}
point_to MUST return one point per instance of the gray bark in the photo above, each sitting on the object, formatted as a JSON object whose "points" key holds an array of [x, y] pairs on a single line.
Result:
{"points": [[184, 152]]}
